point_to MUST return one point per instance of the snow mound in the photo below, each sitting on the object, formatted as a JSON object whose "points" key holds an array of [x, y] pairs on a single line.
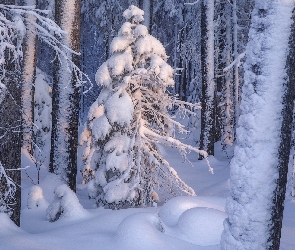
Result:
{"points": [[172, 210], [203, 226], [7, 227], [140, 229], [65, 205], [36, 198]]}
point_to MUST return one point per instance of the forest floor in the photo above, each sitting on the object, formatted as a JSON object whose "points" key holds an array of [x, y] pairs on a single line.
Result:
{"points": [[183, 223]]}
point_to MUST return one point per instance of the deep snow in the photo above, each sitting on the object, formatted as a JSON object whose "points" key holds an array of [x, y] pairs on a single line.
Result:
{"points": [[181, 223]]}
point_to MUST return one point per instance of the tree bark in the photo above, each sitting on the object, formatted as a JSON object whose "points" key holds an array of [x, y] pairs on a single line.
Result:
{"points": [[285, 145], [28, 79], [261, 155], [10, 129], [207, 137], [65, 98]]}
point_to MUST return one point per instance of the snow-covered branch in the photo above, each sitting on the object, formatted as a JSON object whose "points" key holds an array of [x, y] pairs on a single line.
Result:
{"points": [[193, 3], [236, 61], [46, 30]]}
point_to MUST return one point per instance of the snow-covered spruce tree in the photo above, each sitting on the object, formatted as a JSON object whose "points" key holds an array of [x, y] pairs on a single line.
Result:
{"points": [[260, 164], [129, 118]]}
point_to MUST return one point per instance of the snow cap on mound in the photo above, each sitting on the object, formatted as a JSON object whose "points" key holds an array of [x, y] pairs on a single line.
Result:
{"points": [[133, 13], [172, 210], [203, 226], [65, 205], [36, 198]]}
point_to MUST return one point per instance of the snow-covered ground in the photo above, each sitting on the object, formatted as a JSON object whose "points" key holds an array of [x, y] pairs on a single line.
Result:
{"points": [[181, 223]]}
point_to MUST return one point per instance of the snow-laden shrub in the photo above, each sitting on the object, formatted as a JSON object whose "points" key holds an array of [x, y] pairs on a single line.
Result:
{"points": [[65, 205], [129, 118], [36, 198]]}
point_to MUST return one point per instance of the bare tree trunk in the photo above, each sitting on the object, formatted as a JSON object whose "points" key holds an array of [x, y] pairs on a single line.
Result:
{"points": [[236, 67], [65, 99]]}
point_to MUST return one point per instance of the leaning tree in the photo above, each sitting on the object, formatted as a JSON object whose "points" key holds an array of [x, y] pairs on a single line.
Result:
{"points": [[128, 120]]}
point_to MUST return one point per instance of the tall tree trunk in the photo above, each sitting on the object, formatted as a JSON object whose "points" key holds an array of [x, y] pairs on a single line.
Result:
{"points": [[228, 125], [236, 66], [285, 144], [10, 129], [147, 7], [220, 64], [259, 167], [207, 137], [28, 79], [65, 98]]}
